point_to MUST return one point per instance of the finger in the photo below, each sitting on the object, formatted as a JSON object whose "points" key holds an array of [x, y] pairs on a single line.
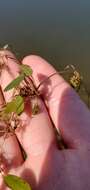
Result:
{"points": [[69, 114], [9, 146], [10, 155], [36, 133]]}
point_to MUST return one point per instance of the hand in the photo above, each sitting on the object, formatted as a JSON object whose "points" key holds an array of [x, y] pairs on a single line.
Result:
{"points": [[47, 167]]}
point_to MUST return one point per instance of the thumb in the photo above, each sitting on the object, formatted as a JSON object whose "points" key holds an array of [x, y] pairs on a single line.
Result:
{"points": [[69, 114]]}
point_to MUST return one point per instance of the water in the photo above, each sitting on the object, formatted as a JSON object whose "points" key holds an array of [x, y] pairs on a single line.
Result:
{"points": [[57, 30]]}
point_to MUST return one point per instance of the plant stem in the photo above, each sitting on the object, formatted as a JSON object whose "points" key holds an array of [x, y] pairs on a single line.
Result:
{"points": [[61, 72]]}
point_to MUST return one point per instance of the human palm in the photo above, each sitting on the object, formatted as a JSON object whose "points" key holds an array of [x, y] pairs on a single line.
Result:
{"points": [[47, 167]]}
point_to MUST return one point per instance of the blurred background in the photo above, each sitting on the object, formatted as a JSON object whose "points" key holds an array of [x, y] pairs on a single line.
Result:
{"points": [[57, 30]]}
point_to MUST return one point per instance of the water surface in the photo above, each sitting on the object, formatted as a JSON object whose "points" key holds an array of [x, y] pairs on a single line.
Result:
{"points": [[58, 30]]}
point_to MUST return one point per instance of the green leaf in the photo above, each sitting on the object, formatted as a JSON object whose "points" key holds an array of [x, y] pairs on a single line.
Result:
{"points": [[16, 105], [26, 70], [10, 107], [16, 183], [14, 83], [19, 104]]}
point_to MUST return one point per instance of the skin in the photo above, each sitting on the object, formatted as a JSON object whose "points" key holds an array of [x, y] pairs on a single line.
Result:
{"points": [[47, 167]]}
